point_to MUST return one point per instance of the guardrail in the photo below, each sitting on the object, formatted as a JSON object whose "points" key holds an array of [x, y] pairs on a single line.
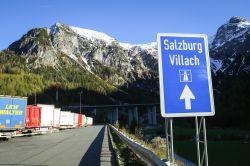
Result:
{"points": [[146, 155], [114, 148]]}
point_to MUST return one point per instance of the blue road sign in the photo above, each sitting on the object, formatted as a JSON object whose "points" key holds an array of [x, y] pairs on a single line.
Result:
{"points": [[185, 75]]}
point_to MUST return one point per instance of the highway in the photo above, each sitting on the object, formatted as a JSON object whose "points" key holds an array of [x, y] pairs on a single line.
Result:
{"points": [[87, 146]]}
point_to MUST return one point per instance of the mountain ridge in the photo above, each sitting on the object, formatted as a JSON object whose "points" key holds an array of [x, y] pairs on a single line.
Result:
{"points": [[86, 47], [92, 49], [108, 71], [231, 46]]}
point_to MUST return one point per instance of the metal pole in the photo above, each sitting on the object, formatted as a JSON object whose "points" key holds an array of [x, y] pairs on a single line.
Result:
{"points": [[56, 95], [205, 140], [201, 127], [197, 140], [154, 121], [35, 97], [172, 139], [80, 93], [116, 115], [80, 103], [167, 139]]}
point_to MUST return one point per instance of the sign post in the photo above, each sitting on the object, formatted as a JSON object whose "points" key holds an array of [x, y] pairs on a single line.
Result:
{"points": [[169, 140], [185, 81]]}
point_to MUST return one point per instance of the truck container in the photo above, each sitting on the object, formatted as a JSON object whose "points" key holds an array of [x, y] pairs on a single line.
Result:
{"points": [[89, 121], [47, 115], [75, 116], [79, 120], [84, 120], [12, 112], [33, 117], [56, 120], [66, 119]]}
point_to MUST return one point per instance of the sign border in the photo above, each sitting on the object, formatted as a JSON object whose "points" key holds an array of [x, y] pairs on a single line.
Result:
{"points": [[210, 85]]}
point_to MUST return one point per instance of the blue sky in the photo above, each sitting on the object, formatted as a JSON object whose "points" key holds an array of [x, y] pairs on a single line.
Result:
{"points": [[131, 21]]}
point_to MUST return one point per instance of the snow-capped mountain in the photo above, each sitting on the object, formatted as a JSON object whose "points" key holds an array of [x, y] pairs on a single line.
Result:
{"points": [[109, 71], [96, 52], [230, 47], [230, 62], [121, 63]]}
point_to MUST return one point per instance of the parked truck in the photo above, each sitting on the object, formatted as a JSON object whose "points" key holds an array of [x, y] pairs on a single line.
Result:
{"points": [[47, 115], [66, 120], [89, 121], [33, 117], [75, 116], [84, 120], [81, 120], [56, 120], [12, 115]]}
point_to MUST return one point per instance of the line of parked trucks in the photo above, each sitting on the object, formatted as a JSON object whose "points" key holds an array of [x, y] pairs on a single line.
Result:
{"points": [[18, 119]]}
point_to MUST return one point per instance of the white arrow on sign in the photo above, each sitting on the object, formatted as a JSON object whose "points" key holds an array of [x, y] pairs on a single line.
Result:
{"points": [[187, 95]]}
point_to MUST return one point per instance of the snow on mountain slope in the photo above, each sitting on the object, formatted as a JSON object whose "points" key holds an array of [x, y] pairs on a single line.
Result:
{"points": [[150, 47], [92, 35], [235, 29], [230, 47], [215, 64], [126, 46]]}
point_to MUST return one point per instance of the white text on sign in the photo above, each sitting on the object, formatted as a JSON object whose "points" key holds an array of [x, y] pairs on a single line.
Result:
{"points": [[182, 46], [180, 60]]}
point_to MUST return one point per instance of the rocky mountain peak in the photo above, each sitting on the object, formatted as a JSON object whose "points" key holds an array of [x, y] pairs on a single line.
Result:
{"points": [[230, 47], [237, 19], [233, 31], [61, 46], [35, 44]]}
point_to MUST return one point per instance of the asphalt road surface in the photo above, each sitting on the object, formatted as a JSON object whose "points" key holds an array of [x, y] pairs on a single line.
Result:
{"points": [[70, 147]]}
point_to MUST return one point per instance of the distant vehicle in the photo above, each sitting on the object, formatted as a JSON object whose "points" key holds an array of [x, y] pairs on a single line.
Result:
{"points": [[33, 117], [84, 120], [12, 112], [89, 121], [47, 115], [18, 119], [66, 119], [75, 117], [81, 120], [56, 118]]}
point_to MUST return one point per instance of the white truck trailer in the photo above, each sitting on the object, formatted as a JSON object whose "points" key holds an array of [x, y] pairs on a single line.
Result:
{"points": [[47, 115], [66, 119]]}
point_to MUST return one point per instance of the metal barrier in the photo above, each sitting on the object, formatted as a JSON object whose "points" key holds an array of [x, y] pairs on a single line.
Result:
{"points": [[146, 155], [114, 148]]}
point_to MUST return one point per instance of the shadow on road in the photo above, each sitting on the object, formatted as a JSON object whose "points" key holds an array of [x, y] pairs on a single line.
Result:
{"points": [[93, 156], [23, 165]]}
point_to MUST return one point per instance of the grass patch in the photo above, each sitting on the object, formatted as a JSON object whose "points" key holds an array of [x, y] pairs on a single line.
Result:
{"points": [[126, 156], [181, 133], [213, 134], [229, 153], [225, 147]]}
